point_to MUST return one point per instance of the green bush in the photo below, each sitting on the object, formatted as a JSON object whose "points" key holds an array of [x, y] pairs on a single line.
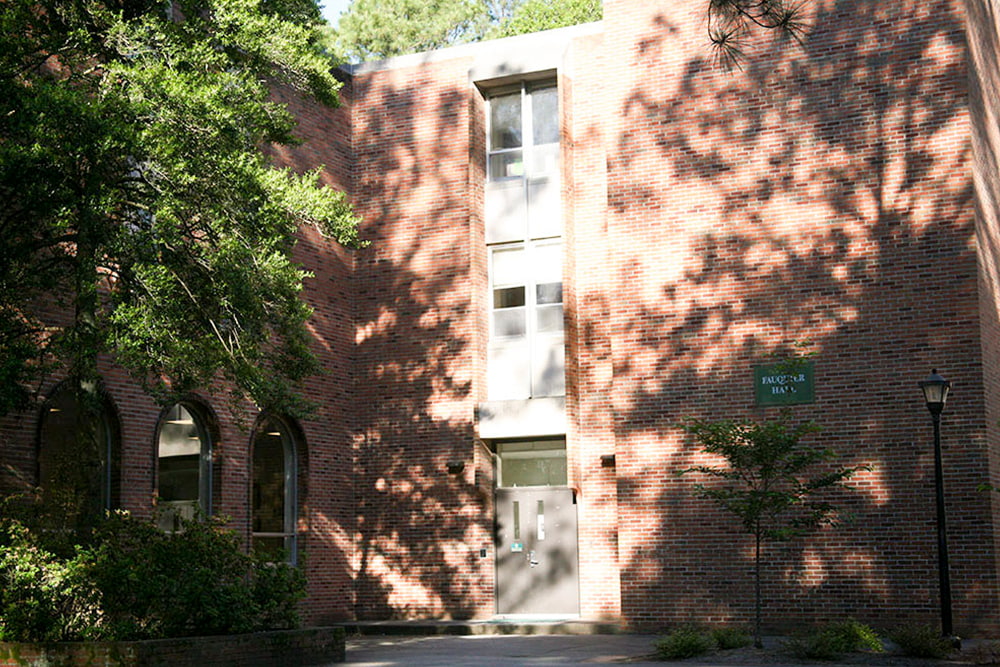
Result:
{"points": [[686, 642], [921, 641], [42, 597], [130, 580], [729, 638], [834, 640]]}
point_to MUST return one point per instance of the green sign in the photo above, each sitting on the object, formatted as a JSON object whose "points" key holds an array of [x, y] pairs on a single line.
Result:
{"points": [[777, 385]]}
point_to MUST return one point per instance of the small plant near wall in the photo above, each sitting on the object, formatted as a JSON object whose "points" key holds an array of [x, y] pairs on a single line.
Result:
{"points": [[833, 640], [726, 638], [921, 641], [684, 642], [690, 641], [770, 482]]}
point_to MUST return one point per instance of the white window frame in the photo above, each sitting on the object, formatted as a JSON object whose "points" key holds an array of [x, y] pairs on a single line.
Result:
{"points": [[533, 340], [528, 146]]}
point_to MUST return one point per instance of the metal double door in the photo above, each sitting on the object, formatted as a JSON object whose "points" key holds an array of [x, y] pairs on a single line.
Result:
{"points": [[537, 559]]}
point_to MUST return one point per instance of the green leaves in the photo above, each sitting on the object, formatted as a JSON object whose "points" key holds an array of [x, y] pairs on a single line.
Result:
{"points": [[131, 137], [538, 15], [769, 479], [375, 29], [130, 580], [769, 483]]}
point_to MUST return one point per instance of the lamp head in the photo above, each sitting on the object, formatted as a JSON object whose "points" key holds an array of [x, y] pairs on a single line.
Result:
{"points": [[935, 390]]}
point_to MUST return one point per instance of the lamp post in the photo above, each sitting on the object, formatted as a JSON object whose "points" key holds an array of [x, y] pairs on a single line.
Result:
{"points": [[935, 390]]}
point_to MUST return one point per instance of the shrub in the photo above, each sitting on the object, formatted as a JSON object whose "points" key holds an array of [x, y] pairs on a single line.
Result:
{"points": [[921, 641], [728, 638], [855, 636], [833, 640], [130, 580], [42, 598], [686, 642]]}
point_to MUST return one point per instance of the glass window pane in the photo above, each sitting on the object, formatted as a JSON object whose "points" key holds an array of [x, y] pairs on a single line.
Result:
{"points": [[64, 464], [273, 502], [545, 116], [508, 266], [183, 470], [509, 322], [548, 293], [180, 449], [541, 464], [273, 547], [509, 164], [546, 263], [269, 482], [550, 319], [505, 122], [544, 161], [508, 297]]}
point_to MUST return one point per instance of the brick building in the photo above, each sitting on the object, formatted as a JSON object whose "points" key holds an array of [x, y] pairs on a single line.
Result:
{"points": [[579, 238]]}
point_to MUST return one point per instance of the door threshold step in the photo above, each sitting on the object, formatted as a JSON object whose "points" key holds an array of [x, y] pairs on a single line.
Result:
{"points": [[490, 626]]}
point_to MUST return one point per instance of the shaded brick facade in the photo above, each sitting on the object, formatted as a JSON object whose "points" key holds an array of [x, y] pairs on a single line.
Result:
{"points": [[842, 192]]}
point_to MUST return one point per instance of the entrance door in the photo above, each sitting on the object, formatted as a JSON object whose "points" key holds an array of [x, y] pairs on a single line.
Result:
{"points": [[536, 551]]}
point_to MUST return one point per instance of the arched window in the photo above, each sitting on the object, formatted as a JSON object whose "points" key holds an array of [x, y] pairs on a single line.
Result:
{"points": [[274, 493], [68, 473], [184, 469]]}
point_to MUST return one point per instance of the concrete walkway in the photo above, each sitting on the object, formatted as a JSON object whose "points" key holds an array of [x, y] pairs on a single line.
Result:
{"points": [[499, 650], [541, 650]]}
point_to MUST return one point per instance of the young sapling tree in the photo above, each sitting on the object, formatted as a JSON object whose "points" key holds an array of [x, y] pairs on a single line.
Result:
{"points": [[770, 481]]}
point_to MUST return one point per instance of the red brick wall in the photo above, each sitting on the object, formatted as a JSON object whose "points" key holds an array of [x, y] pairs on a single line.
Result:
{"points": [[420, 529], [589, 361], [821, 193], [842, 192], [984, 91], [286, 647]]}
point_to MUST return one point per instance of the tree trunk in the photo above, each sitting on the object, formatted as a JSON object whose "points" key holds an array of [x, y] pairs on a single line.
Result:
{"points": [[84, 376]]}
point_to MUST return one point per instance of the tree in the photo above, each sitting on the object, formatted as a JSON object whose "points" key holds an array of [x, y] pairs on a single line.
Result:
{"points": [[731, 24], [140, 216], [538, 15], [375, 29], [768, 482]]}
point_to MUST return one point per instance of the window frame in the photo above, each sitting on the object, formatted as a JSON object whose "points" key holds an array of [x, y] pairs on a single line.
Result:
{"points": [[290, 440], [201, 420], [528, 147], [110, 481], [534, 338]]}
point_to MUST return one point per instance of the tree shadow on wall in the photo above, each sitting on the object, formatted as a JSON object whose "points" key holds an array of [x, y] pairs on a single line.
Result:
{"points": [[824, 193], [424, 533]]}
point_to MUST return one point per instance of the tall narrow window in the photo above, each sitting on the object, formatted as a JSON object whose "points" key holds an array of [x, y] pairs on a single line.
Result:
{"points": [[274, 511], [523, 235], [71, 469], [523, 186], [526, 328], [185, 465], [524, 132]]}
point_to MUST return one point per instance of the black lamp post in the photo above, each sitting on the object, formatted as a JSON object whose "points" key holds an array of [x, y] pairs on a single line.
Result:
{"points": [[935, 390]]}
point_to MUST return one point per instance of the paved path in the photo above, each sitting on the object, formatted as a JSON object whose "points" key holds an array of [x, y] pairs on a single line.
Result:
{"points": [[499, 650], [594, 650]]}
